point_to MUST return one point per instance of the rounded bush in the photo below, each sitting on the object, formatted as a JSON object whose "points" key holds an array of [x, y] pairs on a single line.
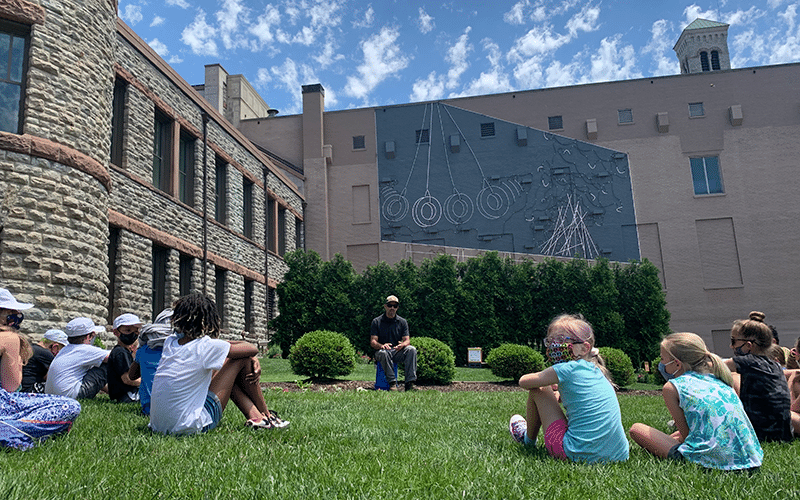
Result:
{"points": [[514, 361], [619, 365], [436, 363], [322, 354]]}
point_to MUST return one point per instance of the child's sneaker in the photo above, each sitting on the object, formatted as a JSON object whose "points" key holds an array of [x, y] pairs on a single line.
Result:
{"points": [[518, 427], [276, 421], [259, 424]]}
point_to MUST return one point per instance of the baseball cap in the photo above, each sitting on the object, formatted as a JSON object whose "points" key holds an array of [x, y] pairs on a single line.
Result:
{"points": [[7, 301], [79, 327], [126, 319], [98, 329], [392, 298], [56, 336]]}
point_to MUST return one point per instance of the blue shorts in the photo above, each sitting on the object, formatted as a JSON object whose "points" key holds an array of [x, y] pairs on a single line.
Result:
{"points": [[214, 408]]}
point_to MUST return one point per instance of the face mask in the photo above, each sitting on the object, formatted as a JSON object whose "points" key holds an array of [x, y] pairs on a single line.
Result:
{"points": [[662, 369], [560, 352], [739, 352], [128, 338], [14, 320]]}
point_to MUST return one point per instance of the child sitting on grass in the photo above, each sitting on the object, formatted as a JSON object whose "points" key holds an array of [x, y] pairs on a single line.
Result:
{"points": [[793, 377], [762, 388], [188, 396], [591, 430], [713, 428], [151, 343]]}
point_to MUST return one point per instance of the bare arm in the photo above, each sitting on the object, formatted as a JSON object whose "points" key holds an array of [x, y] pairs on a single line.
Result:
{"points": [[543, 378], [134, 371], [373, 342], [730, 364], [133, 381], [241, 349], [10, 361], [673, 403]]}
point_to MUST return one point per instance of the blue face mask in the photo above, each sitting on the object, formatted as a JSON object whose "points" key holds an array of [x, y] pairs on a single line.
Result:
{"points": [[739, 352], [662, 369]]}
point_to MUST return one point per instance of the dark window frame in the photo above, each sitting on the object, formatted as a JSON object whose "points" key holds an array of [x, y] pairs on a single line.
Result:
{"points": [[162, 151], [423, 136], [247, 208], [555, 122], [487, 129], [16, 31], [186, 168], [715, 60], [359, 142], [118, 121], [704, 66], [703, 183], [185, 265], [220, 190]]}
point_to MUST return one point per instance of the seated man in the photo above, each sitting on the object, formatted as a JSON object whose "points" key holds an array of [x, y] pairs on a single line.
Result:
{"points": [[390, 338], [79, 370], [34, 373]]}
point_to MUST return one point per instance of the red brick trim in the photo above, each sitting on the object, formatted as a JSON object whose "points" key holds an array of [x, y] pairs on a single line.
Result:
{"points": [[59, 153], [165, 239], [22, 11]]}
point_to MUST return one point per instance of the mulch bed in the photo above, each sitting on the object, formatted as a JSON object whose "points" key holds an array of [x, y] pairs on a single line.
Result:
{"points": [[352, 385]]}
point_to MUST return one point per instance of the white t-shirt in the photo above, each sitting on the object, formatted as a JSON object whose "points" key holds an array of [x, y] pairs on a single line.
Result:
{"points": [[181, 384], [70, 365]]}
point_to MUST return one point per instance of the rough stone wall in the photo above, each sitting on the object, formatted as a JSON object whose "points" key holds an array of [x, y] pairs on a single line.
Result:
{"points": [[53, 241], [72, 51], [134, 279]]}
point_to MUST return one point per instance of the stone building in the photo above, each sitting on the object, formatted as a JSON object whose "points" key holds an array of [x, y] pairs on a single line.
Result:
{"points": [[695, 172], [122, 187]]}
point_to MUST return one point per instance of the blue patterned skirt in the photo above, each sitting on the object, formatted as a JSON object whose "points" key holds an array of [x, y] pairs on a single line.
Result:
{"points": [[26, 419]]}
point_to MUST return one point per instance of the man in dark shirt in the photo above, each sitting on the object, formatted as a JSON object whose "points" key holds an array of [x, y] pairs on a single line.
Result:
{"points": [[34, 373], [120, 387], [390, 338]]}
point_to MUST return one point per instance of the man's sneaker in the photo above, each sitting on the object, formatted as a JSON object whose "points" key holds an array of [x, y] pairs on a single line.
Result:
{"points": [[409, 386], [276, 421], [518, 427], [392, 386], [259, 424]]}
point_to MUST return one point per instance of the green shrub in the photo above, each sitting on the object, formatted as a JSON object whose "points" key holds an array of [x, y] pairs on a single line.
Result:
{"points": [[514, 361], [619, 365], [322, 354], [436, 363]]}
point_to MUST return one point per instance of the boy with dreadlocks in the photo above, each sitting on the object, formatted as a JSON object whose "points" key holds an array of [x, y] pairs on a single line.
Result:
{"points": [[198, 374]]}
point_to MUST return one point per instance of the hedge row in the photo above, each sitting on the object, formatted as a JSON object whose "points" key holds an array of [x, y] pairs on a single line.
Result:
{"points": [[483, 302]]}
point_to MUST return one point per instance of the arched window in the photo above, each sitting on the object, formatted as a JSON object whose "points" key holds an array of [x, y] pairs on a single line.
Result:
{"points": [[715, 60], [704, 61]]}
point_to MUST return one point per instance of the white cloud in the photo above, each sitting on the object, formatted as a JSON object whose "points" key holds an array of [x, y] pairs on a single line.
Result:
{"points": [[175, 60], [367, 21], [517, 13], [328, 55], [660, 49], [528, 73], [160, 47], [539, 40], [774, 4], [495, 79], [562, 75], [585, 20], [458, 57], [199, 36], [539, 10], [157, 21], [613, 61], [183, 4], [262, 29], [324, 13], [693, 11], [132, 14], [291, 77], [425, 21], [382, 59], [428, 89], [230, 19]]}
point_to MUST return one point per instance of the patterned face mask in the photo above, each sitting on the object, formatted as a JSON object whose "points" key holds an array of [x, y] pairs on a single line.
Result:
{"points": [[559, 352]]}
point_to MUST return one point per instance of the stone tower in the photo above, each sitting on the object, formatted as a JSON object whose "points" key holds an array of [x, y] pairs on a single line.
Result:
{"points": [[703, 46], [55, 139]]}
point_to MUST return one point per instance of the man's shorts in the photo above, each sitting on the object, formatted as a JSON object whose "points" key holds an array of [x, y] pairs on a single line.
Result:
{"points": [[93, 382], [213, 407]]}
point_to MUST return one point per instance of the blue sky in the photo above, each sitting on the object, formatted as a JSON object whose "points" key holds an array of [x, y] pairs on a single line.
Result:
{"points": [[389, 52]]}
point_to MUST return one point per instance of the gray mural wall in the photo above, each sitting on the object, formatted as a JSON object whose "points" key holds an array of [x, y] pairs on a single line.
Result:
{"points": [[453, 177]]}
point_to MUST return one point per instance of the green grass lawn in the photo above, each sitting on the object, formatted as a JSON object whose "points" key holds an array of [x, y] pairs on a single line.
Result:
{"points": [[366, 444]]}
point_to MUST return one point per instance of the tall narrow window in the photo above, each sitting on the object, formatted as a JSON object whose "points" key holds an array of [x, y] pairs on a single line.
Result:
{"points": [[161, 148], [113, 247], [704, 61], [271, 303], [298, 233], [272, 226], [220, 191], [247, 208], [159, 296], [281, 231], [705, 175], [715, 60], [13, 66], [219, 292], [185, 275], [248, 305], [118, 121], [186, 169]]}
